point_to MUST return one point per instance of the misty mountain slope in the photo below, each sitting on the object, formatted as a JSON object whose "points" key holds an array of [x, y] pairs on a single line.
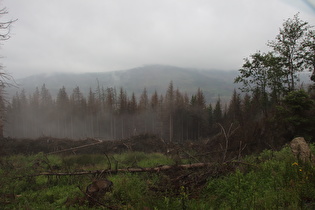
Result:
{"points": [[153, 77]]}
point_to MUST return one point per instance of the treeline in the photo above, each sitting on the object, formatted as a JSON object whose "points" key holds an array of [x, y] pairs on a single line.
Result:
{"points": [[108, 113], [112, 114]]}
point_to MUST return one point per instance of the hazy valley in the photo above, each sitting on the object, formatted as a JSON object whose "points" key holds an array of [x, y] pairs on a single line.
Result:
{"points": [[213, 83]]}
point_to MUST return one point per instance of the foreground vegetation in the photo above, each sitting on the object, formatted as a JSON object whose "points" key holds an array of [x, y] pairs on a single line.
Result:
{"points": [[270, 180]]}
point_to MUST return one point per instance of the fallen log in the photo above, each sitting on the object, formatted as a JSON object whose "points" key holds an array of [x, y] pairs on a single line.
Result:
{"points": [[129, 170], [139, 169]]}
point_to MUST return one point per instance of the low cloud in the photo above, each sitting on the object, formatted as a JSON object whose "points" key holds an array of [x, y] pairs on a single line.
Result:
{"points": [[83, 36]]}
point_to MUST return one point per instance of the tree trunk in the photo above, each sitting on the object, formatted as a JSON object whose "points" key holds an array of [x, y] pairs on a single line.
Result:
{"points": [[171, 128], [1, 128]]}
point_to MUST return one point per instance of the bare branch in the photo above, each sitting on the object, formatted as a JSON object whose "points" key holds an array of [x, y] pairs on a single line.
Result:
{"points": [[76, 148]]}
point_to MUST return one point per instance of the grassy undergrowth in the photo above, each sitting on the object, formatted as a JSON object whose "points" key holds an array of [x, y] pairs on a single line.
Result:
{"points": [[270, 180]]}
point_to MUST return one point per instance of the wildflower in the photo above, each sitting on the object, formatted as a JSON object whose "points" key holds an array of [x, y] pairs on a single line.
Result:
{"points": [[300, 169], [295, 164]]}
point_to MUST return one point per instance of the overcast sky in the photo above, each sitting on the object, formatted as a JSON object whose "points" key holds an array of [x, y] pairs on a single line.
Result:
{"points": [[106, 35]]}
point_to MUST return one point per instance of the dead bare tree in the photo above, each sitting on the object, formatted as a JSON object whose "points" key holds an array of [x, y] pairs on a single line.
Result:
{"points": [[227, 134], [5, 79]]}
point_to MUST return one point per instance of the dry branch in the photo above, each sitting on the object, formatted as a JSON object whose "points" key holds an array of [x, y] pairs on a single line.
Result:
{"points": [[137, 170], [76, 148]]}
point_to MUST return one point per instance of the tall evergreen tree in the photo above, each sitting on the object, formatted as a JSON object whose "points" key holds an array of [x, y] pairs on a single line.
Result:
{"points": [[155, 104], [234, 110], [78, 115], [132, 111], [144, 108], [210, 116], [246, 107], [217, 112], [169, 103], [199, 114], [132, 104], [45, 97], [63, 113], [46, 111], [111, 108], [25, 114], [294, 113], [93, 108], [122, 104]]}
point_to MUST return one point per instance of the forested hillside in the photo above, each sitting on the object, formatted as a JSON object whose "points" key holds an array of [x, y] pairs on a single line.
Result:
{"points": [[152, 77]]}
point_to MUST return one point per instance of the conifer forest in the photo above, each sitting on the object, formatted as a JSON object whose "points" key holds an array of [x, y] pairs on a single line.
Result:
{"points": [[108, 113]]}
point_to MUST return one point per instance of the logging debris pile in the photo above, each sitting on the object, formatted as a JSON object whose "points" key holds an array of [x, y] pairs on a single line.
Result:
{"points": [[141, 143]]}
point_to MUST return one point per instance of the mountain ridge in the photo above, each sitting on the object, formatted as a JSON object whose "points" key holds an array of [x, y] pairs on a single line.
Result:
{"points": [[213, 83]]}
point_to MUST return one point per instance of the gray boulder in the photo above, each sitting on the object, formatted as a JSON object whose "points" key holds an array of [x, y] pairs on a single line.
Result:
{"points": [[301, 149]]}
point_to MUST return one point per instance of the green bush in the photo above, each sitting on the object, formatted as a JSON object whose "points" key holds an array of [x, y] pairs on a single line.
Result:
{"points": [[129, 190], [277, 181]]}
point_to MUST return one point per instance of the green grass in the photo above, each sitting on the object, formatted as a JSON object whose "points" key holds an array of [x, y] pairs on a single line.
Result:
{"points": [[141, 159], [270, 180]]}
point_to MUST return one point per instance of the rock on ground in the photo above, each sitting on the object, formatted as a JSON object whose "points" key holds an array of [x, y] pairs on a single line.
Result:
{"points": [[301, 149]]}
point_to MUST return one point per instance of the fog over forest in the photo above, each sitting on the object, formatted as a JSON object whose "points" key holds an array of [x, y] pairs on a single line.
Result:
{"points": [[107, 113]]}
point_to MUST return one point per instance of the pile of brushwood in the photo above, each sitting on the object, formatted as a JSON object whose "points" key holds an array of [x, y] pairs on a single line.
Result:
{"points": [[145, 172]]}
